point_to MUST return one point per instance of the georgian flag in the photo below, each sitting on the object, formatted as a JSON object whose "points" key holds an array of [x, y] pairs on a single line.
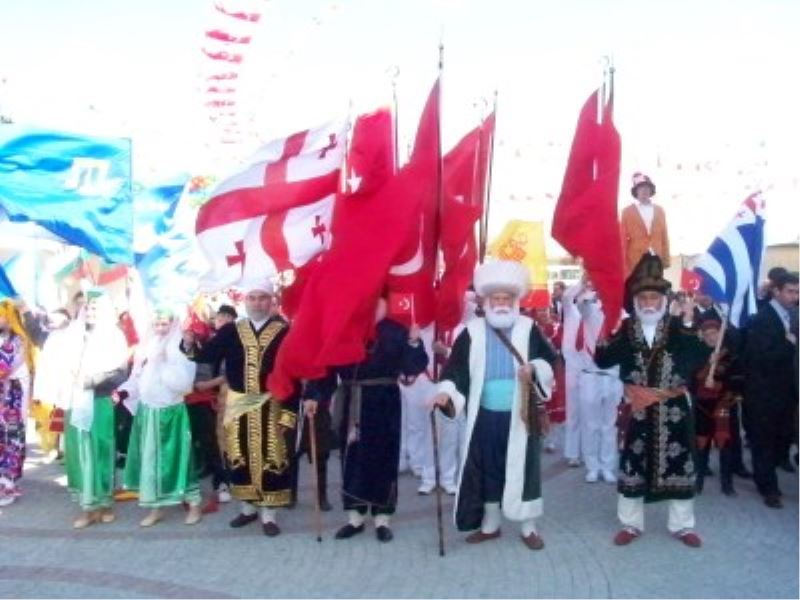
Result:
{"points": [[275, 214]]}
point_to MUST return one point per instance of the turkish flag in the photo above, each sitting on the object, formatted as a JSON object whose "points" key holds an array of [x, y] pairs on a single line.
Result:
{"points": [[690, 281], [466, 169], [370, 226], [414, 270], [401, 307], [585, 221]]}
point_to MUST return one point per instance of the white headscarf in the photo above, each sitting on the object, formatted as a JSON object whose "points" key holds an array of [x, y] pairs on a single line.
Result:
{"points": [[161, 375], [98, 350]]}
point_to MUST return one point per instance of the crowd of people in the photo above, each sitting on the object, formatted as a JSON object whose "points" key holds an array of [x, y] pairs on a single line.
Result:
{"points": [[639, 405]]}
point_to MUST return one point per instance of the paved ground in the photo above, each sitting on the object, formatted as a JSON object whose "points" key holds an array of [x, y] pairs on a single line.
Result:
{"points": [[750, 551]]}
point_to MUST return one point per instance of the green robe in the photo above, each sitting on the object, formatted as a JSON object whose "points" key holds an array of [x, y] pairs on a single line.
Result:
{"points": [[160, 463], [90, 458]]}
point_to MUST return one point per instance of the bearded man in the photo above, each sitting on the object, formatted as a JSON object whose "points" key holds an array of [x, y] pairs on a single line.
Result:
{"points": [[657, 354], [495, 362]]}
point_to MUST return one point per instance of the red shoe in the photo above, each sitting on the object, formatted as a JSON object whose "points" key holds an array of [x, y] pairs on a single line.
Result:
{"points": [[478, 536], [626, 535], [533, 541], [690, 538], [211, 506]]}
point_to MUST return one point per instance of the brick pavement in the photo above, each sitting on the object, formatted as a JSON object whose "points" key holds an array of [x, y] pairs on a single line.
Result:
{"points": [[750, 551]]}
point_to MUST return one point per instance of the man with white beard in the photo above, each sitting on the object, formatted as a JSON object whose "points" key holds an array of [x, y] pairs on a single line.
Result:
{"points": [[485, 378], [657, 354]]}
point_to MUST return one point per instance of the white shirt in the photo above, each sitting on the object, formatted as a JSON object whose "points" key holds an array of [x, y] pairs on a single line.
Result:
{"points": [[782, 313], [646, 211], [258, 324], [649, 332]]}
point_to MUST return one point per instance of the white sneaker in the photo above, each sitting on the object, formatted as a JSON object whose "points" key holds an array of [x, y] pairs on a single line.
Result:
{"points": [[426, 488], [591, 476], [574, 462], [223, 494], [550, 447], [608, 476], [450, 489]]}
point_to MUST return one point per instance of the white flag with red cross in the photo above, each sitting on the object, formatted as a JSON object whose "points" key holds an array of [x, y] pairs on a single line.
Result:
{"points": [[275, 214]]}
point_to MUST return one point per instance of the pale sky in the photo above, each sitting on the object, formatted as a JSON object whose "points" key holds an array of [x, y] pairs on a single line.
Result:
{"points": [[706, 95]]}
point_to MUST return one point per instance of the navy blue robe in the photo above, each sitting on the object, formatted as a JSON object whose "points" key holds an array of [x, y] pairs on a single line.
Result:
{"points": [[370, 457]]}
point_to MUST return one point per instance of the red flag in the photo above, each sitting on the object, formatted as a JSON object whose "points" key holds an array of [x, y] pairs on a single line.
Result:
{"points": [[536, 298], [690, 281], [585, 222], [401, 306], [465, 176], [414, 270], [370, 226]]}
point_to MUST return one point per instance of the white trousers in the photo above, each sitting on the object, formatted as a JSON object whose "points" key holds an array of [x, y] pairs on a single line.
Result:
{"points": [[631, 513], [419, 438], [598, 397], [572, 425]]}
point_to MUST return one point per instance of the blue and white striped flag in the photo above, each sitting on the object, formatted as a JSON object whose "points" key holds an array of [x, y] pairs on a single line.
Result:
{"points": [[731, 268]]}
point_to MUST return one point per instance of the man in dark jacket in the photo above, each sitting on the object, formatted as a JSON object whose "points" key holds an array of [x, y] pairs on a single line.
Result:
{"points": [[770, 392]]}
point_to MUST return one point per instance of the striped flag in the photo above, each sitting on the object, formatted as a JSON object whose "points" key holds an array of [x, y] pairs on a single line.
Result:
{"points": [[730, 269]]}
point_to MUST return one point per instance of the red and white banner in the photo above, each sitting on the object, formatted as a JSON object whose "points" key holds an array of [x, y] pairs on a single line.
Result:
{"points": [[275, 214]]}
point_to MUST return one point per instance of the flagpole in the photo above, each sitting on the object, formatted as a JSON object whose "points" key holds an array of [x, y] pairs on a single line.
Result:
{"points": [[436, 285], [484, 223], [395, 116]]}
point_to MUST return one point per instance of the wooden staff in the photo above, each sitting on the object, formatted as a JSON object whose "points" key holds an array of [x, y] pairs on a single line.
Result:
{"points": [[312, 433], [437, 474], [715, 356]]}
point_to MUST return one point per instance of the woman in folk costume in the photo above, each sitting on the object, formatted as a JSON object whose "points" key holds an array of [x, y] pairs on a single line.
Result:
{"points": [[15, 369], [97, 361], [51, 387], [503, 392], [160, 463]]}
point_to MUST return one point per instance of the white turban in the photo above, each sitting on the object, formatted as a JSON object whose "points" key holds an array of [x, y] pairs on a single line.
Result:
{"points": [[502, 276]]}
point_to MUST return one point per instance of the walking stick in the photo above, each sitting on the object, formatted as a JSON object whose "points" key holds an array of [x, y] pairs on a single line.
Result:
{"points": [[317, 514], [437, 474]]}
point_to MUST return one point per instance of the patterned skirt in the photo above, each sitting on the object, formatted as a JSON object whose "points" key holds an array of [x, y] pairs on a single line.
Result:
{"points": [[12, 434]]}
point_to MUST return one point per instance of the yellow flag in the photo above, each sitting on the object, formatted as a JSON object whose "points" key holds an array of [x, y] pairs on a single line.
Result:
{"points": [[523, 241]]}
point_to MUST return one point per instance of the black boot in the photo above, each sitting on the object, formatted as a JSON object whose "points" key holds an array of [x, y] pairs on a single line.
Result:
{"points": [[726, 471], [322, 481], [702, 467]]}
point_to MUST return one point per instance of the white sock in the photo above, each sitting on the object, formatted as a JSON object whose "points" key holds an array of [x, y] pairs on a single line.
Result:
{"points": [[491, 517], [355, 518], [528, 527], [381, 520], [267, 515], [247, 509]]}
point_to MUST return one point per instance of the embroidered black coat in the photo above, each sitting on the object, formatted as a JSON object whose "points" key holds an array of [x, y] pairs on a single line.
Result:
{"points": [[657, 450]]}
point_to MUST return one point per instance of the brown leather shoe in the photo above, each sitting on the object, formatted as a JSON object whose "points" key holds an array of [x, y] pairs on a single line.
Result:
{"points": [[532, 541], [626, 536], [476, 537], [271, 529]]}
